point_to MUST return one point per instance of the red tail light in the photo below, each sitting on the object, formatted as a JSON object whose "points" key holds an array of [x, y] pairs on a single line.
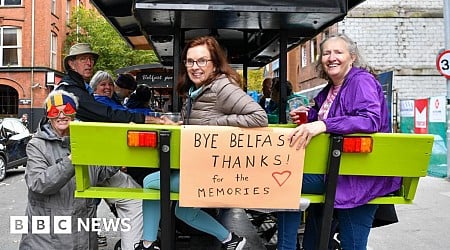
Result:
{"points": [[142, 139], [358, 144]]}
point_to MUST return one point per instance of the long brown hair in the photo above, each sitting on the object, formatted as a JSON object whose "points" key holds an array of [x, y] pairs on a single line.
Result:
{"points": [[218, 58]]}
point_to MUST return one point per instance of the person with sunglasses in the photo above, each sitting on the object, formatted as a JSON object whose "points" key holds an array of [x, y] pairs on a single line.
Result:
{"points": [[50, 179]]}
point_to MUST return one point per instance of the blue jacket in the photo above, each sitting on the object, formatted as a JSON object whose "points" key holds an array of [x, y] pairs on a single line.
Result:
{"points": [[117, 106], [359, 107], [90, 110]]}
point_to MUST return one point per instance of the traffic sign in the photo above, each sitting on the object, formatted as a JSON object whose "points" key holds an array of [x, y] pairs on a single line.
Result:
{"points": [[443, 63]]}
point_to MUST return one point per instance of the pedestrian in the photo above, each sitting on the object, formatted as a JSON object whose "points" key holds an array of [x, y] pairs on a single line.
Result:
{"points": [[213, 97], [24, 120], [50, 179], [351, 102]]}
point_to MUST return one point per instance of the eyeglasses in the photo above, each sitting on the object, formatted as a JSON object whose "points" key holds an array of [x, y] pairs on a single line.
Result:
{"points": [[54, 112], [200, 62], [84, 59]]}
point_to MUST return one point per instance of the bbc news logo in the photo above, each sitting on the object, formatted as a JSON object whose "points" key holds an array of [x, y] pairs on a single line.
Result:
{"points": [[63, 224]]}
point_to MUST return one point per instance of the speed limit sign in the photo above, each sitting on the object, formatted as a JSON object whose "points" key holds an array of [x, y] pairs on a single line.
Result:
{"points": [[443, 63]]}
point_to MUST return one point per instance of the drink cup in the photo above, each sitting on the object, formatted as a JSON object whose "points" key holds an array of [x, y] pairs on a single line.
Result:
{"points": [[175, 117], [295, 103], [302, 117]]}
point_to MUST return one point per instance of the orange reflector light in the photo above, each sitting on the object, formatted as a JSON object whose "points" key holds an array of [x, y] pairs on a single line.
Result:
{"points": [[142, 139], [357, 144]]}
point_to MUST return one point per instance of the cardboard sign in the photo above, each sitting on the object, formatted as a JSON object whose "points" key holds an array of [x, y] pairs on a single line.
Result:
{"points": [[239, 167]]}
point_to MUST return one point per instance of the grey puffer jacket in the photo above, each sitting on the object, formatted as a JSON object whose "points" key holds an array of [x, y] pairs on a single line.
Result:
{"points": [[223, 103], [49, 176]]}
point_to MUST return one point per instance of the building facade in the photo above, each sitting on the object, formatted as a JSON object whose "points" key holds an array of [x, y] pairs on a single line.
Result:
{"points": [[32, 36], [402, 36]]}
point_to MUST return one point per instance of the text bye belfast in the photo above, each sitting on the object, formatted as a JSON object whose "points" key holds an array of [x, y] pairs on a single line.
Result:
{"points": [[235, 162]]}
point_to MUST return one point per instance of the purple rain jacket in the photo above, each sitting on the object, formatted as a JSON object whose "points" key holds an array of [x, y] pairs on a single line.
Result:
{"points": [[359, 107]]}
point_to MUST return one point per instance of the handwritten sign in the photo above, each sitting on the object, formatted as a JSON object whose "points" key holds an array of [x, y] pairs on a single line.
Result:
{"points": [[239, 167]]}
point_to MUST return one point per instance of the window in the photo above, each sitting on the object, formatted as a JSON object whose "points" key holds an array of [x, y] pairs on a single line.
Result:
{"points": [[67, 11], [10, 2], [303, 56], [313, 50], [53, 49], [11, 46], [53, 7]]}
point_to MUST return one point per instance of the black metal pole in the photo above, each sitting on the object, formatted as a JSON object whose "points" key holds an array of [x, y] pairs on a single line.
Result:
{"points": [[334, 160], [167, 230], [283, 77]]}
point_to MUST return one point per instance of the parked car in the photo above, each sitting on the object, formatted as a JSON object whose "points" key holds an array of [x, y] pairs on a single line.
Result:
{"points": [[14, 137]]}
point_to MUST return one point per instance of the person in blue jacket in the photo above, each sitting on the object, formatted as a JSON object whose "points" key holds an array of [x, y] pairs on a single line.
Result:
{"points": [[351, 102], [103, 87]]}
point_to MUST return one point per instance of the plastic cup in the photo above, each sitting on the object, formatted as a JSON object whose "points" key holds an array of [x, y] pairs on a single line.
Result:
{"points": [[154, 114], [175, 117], [302, 117]]}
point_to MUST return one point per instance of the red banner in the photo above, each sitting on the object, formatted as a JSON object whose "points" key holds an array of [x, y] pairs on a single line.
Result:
{"points": [[421, 116]]}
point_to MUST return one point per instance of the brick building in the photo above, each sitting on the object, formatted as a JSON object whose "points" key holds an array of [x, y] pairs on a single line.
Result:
{"points": [[32, 35], [400, 36]]}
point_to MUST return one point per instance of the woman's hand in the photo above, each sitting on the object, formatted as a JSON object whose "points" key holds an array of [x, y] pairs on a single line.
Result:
{"points": [[166, 121], [303, 134], [152, 120], [295, 114]]}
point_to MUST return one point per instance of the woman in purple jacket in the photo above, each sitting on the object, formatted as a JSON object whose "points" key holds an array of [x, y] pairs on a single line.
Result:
{"points": [[352, 102]]}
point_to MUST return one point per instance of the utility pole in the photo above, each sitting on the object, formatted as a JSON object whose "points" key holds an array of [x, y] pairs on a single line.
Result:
{"points": [[446, 47]]}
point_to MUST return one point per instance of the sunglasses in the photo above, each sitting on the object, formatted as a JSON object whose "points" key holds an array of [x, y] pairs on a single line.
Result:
{"points": [[54, 112]]}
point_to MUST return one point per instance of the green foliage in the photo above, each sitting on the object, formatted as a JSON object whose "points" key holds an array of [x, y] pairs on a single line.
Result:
{"points": [[90, 27], [255, 79]]}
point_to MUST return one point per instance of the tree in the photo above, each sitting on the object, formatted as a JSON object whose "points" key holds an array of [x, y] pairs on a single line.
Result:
{"points": [[87, 25], [255, 78]]}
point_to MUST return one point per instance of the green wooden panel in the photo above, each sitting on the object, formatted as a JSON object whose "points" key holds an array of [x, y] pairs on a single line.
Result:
{"points": [[122, 193], [82, 177], [105, 144], [404, 155], [393, 154]]}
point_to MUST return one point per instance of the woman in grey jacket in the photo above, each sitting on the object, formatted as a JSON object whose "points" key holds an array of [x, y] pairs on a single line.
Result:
{"points": [[50, 179], [213, 97]]}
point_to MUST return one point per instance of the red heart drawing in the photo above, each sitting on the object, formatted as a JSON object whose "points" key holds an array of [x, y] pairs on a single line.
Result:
{"points": [[282, 177]]}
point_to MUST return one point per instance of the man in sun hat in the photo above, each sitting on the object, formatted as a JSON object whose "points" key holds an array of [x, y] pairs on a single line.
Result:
{"points": [[79, 66]]}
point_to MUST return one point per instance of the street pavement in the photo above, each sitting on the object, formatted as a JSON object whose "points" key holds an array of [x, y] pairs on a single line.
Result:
{"points": [[422, 225]]}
